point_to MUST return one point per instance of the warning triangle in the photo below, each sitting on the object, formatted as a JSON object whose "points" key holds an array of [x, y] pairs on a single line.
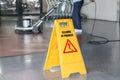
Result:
{"points": [[69, 47]]}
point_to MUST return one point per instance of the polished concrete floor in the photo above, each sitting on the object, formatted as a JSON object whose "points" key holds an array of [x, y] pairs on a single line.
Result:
{"points": [[22, 56]]}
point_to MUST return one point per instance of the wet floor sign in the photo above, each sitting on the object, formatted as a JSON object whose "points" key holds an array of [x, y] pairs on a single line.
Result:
{"points": [[64, 50]]}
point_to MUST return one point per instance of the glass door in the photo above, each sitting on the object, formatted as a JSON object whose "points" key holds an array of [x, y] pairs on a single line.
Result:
{"points": [[7, 7], [29, 7]]}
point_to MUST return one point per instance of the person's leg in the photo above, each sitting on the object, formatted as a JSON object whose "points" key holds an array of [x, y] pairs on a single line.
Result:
{"points": [[76, 14]]}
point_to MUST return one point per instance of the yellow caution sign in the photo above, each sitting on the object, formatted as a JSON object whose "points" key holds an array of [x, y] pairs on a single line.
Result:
{"points": [[64, 50]]}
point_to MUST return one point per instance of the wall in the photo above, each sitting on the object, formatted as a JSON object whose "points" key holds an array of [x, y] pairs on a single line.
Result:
{"points": [[118, 10], [106, 10]]}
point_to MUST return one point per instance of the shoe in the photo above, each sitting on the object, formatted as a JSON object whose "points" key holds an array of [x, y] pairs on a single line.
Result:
{"points": [[78, 31]]}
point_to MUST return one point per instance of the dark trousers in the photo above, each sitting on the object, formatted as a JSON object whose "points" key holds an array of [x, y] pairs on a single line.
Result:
{"points": [[76, 14]]}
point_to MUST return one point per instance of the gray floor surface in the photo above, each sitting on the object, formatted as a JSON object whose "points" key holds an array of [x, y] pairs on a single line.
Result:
{"points": [[102, 61]]}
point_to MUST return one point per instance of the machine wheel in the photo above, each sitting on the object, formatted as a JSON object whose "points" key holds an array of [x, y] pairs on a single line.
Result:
{"points": [[38, 29]]}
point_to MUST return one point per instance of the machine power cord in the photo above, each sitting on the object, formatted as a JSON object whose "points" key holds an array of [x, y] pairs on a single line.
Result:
{"points": [[105, 40]]}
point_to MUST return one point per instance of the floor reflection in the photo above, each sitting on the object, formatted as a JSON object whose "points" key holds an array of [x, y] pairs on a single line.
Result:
{"points": [[57, 76]]}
